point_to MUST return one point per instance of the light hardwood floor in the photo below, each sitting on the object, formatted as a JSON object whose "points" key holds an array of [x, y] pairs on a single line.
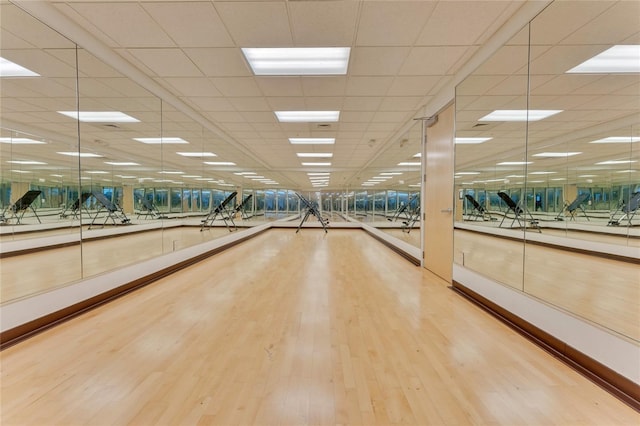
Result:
{"points": [[295, 329]]}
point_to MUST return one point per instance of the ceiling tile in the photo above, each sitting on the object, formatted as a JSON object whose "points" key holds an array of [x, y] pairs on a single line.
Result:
{"points": [[368, 86], [280, 86], [128, 24], [315, 25], [190, 24], [256, 24], [166, 62], [395, 23], [237, 86], [374, 61], [432, 60], [219, 62]]}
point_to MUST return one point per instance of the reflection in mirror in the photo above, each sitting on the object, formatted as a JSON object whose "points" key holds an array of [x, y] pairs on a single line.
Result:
{"points": [[389, 194], [490, 149], [585, 156], [38, 185]]}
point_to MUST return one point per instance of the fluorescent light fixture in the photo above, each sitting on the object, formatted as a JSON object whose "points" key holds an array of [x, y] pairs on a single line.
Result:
{"points": [[542, 173], [207, 179], [312, 141], [626, 171], [558, 179], [79, 154], [219, 163], [170, 172], [316, 164], [471, 141], [254, 176], [617, 162], [21, 141], [298, 60], [618, 139], [126, 177], [244, 173], [100, 116], [520, 114], [587, 176], [307, 116], [318, 173], [191, 176], [57, 175], [314, 154], [467, 173], [514, 163], [516, 176], [390, 173], [96, 172], [157, 141], [409, 163], [11, 69], [622, 58], [415, 185], [121, 163], [20, 171], [557, 154], [32, 162], [197, 154], [418, 155]]}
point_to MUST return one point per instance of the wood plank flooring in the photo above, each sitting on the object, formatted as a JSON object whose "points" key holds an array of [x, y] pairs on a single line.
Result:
{"points": [[295, 329]]}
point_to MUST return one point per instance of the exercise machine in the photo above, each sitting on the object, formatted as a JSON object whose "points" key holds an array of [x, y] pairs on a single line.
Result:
{"points": [[114, 211], [628, 210], [405, 208], [575, 205], [519, 214], [222, 211], [311, 209], [478, 211], [20, 207]]}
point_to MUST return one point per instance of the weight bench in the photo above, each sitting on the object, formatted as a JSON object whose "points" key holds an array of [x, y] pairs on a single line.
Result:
{"points": [[478, 211], [225, 215], [114, 212], [76, 206], [628, 209], [20, 207], [518, 213], [311, 209], [575, 205], [148, 209]]}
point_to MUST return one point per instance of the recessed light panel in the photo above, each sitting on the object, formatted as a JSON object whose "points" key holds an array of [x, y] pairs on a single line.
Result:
{"points": [[11, 69], [617, 59], [470, 141], [312, 141], [520, 114], [156, 141], [121, 163], [27, 162], [307, 116], [314, 154], [100, 116], [219, 163], [514, 163], [556, 154], [80, 154], [616, 162], [21, 141], [409, 163], [298, 60], [197, 154], [316, 164], [618, 139]]}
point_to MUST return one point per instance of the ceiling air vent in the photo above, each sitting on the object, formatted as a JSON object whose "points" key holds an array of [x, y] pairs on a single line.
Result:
{"points": [[323, 126]]}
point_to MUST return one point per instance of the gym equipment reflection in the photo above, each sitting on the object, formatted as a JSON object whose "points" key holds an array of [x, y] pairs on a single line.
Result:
{"points": [[225, 214], [18, 209], [311, 208]]}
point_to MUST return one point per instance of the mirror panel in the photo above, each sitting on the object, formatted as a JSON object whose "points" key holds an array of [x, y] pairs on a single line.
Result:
{"points": [[576, 148], [490, 171], [38, 185]]}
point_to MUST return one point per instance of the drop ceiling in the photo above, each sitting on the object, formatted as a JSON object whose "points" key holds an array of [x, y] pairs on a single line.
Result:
{"points": [[403, 54]]}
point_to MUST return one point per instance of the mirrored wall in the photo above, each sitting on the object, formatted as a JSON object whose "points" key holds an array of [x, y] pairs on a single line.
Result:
{"points": [[90, 157], [547, 142]]}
